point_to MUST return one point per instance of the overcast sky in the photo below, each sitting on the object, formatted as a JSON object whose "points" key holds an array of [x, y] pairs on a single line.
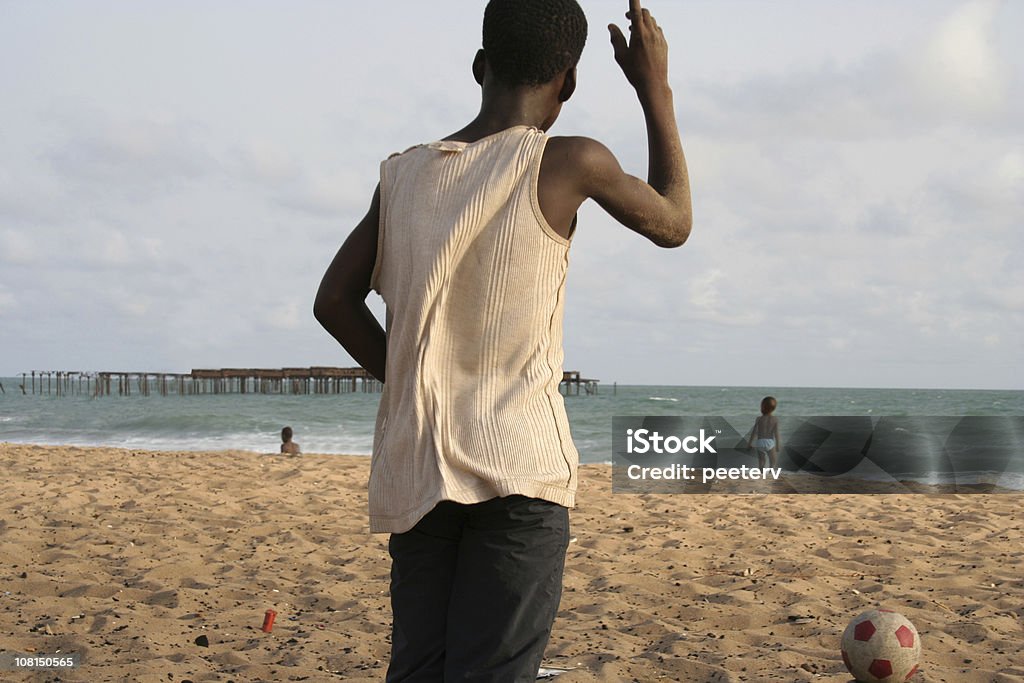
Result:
{"points": [[175, 178]]}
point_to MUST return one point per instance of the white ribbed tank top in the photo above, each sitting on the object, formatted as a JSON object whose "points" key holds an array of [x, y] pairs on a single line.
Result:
{"points": [[474, 281]]}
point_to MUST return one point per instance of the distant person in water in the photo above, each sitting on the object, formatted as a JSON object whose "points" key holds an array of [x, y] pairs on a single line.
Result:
{"points": [[764, 437], [287, 445]]}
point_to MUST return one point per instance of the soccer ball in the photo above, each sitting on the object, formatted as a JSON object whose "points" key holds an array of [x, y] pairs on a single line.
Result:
{"points": [[881, 646]]}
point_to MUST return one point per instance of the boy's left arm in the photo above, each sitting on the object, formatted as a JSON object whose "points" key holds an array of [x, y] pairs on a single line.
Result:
{"points": [[340, 304]]}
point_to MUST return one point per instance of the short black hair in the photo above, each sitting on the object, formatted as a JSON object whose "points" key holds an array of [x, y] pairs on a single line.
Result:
{"points": [[286, 434], [529, 42]]}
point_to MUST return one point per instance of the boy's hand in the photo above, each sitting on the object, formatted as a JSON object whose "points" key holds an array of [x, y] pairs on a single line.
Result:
{"points": [[660, 208], [644, 59]]}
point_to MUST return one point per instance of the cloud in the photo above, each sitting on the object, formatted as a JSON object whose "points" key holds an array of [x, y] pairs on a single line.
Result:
{"points": [[263, 161], [290, 315], [137, 157], [327, 194], [956, 77], [706, 302], [29, 193], [109, 247], [16, 247], [8, 302], [129, 302], [960, 66], [308, 188]]}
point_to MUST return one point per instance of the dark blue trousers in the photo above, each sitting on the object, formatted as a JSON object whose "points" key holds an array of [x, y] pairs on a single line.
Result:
{"points": [[475, 589]]}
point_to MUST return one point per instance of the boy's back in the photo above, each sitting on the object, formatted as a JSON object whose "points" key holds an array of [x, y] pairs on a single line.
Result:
{"points": [[474, 281]]}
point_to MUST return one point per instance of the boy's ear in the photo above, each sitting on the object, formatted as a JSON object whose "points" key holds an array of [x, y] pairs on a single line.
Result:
{"points": [[479, 66], [568, 85]]}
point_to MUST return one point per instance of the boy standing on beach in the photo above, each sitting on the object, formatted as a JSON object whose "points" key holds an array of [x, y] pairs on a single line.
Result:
{"points": [[764, 437], [467, 240]]}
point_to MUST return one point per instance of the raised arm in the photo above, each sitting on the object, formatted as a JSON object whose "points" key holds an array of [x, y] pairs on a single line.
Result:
{"points": [[340, 304], [660, 208]]}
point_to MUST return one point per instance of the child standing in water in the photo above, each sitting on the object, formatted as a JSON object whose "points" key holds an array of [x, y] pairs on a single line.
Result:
{"points": [[764, 437], [467, 241]]}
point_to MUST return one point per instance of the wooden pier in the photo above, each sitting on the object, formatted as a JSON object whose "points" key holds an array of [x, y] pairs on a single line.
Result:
{"points": [[572, 382], [311, 380]]}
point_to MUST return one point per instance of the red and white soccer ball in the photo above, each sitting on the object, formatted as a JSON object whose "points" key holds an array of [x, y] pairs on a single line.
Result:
{"points": [[881, 646]]}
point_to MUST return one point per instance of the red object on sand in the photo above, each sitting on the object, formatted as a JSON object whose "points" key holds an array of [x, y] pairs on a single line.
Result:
{"points": [[268, 620]]}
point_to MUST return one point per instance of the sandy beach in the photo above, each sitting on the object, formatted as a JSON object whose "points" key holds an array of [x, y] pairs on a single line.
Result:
{"points": [[129, 557]]}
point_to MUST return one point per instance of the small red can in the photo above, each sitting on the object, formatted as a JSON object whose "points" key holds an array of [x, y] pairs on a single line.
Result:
{"points": [[268, 620]]}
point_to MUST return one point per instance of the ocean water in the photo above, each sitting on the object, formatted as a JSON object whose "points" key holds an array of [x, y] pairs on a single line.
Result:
{"points": [[343, 423]]}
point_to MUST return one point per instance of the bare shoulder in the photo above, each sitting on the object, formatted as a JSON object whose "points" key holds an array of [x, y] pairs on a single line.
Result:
{"points": [[566, 179], [585, 162], [581, 150]]}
